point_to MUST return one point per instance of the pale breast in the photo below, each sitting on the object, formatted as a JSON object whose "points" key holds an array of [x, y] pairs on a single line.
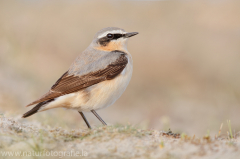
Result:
{"points": [[106, 93]]}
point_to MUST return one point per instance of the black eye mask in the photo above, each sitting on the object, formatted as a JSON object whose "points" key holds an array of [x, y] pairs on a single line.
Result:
{"points": [[105, 40]]}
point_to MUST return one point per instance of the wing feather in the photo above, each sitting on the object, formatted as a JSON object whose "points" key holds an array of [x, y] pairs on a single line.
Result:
{"points": [[69, 83]]}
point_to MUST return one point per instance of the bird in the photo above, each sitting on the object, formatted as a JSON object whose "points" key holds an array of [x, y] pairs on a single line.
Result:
{"points": [[95, 80]]}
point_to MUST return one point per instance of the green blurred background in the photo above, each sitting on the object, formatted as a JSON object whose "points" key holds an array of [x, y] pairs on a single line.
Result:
{"points": [[186, 60]]}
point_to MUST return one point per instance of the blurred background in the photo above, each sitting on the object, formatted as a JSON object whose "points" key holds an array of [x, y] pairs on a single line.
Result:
{"points": [[186, 60]]}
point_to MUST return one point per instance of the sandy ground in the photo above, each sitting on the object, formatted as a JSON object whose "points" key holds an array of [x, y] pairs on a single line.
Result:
{"points": [[117, 141]]}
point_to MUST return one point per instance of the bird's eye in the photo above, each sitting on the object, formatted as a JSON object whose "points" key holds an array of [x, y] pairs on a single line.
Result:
{"points": [[110, 36]]}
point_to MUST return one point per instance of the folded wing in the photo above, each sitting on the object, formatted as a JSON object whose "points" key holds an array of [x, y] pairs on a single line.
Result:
{"points": [[70, 83]]}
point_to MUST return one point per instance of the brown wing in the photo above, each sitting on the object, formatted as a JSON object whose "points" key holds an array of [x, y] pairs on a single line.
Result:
{"points": [[73, 83]]}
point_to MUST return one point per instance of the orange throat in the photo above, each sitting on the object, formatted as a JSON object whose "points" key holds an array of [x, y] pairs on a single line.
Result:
{"points": [[111, 46]]}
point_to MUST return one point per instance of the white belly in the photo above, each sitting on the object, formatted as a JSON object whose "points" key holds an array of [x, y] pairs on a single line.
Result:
{"points": [[97, 96], [106, 93]]}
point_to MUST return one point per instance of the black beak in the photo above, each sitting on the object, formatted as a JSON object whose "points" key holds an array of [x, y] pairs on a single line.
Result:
{"points": [[128, 35]]}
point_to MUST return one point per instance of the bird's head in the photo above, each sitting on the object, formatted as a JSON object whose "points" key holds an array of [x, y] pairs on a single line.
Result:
{"points": [[112, 38]]}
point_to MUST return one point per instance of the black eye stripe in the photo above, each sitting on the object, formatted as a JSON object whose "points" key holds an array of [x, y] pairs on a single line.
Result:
{"points": [[116, 36], [105, 40]]}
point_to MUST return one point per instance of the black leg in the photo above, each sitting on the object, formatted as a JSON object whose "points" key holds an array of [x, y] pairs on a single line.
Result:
{"points": [[93, 111], [85, 119]]}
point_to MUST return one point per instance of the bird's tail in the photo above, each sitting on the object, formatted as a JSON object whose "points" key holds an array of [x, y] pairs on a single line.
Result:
{"points": [[36, 108]]}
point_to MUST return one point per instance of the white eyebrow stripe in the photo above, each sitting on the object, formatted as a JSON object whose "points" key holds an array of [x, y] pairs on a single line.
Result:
{"points": [[113, 32]]}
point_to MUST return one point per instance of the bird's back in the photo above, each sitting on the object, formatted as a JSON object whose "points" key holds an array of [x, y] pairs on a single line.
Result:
{"points": [[91, 60]]}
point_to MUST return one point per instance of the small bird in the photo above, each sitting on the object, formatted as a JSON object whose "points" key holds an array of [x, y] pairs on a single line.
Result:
{"points": [[95, 80]]}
